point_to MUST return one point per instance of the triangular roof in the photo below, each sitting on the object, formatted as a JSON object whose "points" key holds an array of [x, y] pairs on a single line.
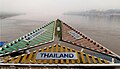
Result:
{"points": [[58, 32], [39, 36]]}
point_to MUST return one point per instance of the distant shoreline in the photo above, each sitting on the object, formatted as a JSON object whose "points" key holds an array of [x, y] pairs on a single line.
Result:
{"points": [[7, 15], [105, 13], [102, 16]]}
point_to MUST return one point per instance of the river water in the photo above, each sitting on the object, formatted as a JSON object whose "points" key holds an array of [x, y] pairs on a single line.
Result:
{"points": [[104, 30]]}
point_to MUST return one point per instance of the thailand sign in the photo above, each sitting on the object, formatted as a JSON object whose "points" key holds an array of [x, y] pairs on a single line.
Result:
{"points": [[56, 55]]}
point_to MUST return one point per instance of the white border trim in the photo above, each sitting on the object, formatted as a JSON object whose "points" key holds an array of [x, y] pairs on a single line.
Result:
{"points": [[7, 64]]}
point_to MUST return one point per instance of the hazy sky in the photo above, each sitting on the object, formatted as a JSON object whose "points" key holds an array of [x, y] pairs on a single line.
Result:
{"points": [[56, 6]]}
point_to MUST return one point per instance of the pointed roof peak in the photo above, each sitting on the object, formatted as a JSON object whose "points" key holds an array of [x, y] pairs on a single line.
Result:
{"points": [[58, 20]]}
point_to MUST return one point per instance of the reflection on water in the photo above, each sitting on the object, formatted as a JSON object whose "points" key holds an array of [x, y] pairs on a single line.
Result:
{"points": [[105, 30]]}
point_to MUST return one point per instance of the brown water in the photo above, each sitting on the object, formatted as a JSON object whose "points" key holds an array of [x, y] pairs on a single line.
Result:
{"points": [[105, 30]]}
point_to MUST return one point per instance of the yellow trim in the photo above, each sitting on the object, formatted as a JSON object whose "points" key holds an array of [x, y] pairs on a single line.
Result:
{"points": [[87, 56], [11, 61], [52, 50], [93, 58], [106, 62], [61, 50], [29, 58], [39, 61], [57, 48], [73, 61], [82, 57], [99, 60], [78, 58], [24, 58], [67, 60], [6, 59], [56, 60], [18, 59], [34, 58], [45, 61]]}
